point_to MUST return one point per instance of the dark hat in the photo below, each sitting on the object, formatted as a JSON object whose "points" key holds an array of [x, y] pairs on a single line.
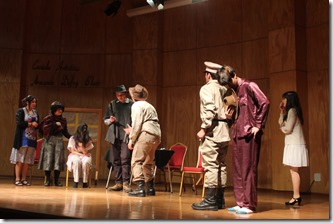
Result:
{"points": [[138, 92], [120, 89], [55, 105]]}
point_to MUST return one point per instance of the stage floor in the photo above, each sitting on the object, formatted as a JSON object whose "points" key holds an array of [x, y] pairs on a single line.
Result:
{"points": [[39, 202]]}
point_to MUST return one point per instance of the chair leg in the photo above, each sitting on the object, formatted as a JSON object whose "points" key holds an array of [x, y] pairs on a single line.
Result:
{"points": [[203, 185], [170, 179], [181, 184], [193, 184], [67, 177], [96, 177], [89, 179], [198, 181]]}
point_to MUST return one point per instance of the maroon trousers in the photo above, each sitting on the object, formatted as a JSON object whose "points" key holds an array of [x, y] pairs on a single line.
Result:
{"points": [[245, 159]]}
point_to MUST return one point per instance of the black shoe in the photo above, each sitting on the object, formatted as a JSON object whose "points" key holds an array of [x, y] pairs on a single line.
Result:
{"points": [[58, 184], [47, 183], [295, 200], [75, 185], [85, 185], [151, 192], [220, 198]]}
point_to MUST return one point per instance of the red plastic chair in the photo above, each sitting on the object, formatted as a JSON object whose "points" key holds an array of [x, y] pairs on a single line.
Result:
{"points": [[176, 163], [194, 170]]}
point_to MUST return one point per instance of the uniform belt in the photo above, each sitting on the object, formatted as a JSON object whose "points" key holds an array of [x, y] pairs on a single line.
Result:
{"points": [[221, 120]]}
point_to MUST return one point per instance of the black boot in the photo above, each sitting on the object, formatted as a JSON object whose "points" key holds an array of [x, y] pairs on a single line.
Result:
{"points": [[150, 188], [56, 178], [140, 191], [47, 178], [210, 201], [220, 198]]}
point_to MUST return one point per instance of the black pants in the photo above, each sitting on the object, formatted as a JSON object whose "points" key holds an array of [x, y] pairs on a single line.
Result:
{"points": [[120, 157]]}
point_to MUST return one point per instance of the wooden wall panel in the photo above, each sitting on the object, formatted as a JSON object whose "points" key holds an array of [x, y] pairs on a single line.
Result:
{"points": [[9, 97], [44, 22], [85, 71], [281, 48], [68, 71], [180, 22], [181, 112], [10, 74], [219, 22], [39, 70], [145, 67], [266, 158], [12, 19], [318, 54], [301, 55], [255, 59], [319, 129], [318, 12], [118, 71], [254, 19], [146, 30], [318, 84], [87, 98], [119, 30], [10, 65], [230, 54], [83, 27], [281, 14], [180, 64]]}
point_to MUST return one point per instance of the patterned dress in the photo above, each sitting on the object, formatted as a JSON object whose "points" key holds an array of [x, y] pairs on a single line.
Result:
{"points": [[24, 148]]}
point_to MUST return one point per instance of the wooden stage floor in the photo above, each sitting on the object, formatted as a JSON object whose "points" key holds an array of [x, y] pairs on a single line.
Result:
{"points": [[39, 202]]}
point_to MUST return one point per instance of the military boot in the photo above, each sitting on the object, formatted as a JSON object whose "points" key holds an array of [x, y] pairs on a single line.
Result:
{"points": [[220, 198], [209, 202], [150, 188], [140, 191]]}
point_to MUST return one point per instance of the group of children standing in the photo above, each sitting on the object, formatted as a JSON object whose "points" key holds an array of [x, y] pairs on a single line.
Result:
{"points": [[52, 155]]}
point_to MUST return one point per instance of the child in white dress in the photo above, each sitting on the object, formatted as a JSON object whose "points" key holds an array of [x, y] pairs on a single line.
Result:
{"points": [[79, 159], [295, 154]]}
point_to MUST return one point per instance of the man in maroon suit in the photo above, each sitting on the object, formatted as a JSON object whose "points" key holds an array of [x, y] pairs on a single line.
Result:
{"points": [[247, 131]]}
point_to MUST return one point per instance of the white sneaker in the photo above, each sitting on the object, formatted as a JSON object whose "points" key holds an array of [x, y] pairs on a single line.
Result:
{"points": [[244, 211], [160, 7], [236, 208]]}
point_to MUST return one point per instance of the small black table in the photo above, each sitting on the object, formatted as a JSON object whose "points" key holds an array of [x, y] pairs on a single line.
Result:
{"points": [[162, 158]]}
